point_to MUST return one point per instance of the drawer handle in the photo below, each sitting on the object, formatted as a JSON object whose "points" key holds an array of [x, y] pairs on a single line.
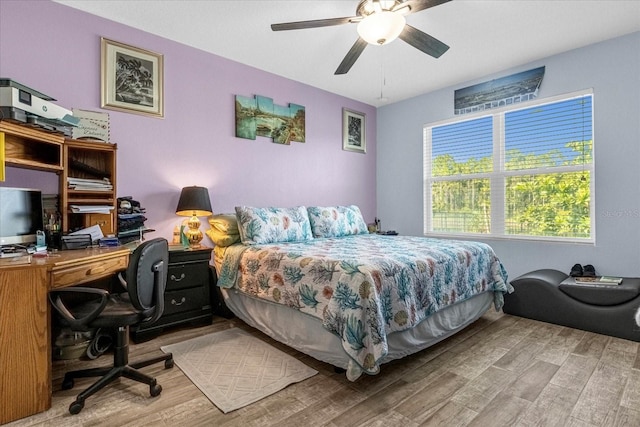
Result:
{"points": [[96, 270], [177, 279], [174, 302]]}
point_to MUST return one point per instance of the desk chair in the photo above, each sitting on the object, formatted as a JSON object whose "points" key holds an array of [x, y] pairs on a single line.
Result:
{"points": [[145, 281]]}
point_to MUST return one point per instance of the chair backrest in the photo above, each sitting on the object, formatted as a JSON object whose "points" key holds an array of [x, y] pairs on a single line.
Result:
{"points": [[147, 277]]}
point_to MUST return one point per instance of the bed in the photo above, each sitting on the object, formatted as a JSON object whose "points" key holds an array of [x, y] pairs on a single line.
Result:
{"points": [[316, 280]]}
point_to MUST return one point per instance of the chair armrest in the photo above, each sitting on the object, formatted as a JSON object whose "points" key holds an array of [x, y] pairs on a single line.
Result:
{"points": [[81, 322], [160, 284], [122, 280]]}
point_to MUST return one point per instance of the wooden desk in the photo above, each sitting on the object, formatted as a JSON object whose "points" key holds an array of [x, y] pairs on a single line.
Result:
{"points": [[25, 321]]}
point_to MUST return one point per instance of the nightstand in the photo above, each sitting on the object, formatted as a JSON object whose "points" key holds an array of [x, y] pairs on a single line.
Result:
{"points": [[187, 297]]}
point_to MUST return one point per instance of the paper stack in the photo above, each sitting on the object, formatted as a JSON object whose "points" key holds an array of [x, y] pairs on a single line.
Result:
{"points": [[89, 184], [99, 209]]}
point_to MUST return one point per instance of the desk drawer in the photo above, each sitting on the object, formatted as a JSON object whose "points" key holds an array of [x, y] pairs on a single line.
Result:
{"points": [[105, 221], [87, 272]]}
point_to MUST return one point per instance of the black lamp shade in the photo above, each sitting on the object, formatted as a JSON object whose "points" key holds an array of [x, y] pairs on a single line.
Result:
{"points": [[194, 201]]}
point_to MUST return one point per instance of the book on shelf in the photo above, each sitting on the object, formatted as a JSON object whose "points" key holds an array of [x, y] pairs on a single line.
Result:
{"points": [[599, 280], [97, 209], [89, 184], [88, 180]]}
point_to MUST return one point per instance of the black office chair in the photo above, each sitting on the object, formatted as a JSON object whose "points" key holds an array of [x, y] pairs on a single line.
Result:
{"points": [[145, 279]]}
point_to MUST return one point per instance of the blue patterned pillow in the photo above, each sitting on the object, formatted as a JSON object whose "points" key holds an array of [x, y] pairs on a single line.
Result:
{"points": [[336, 221], [272, 225]]}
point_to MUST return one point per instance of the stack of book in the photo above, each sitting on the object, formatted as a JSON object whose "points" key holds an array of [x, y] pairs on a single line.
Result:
{"points": [[98, 209], [595, 280], [103, 184], [108, 242], [131, 220]]}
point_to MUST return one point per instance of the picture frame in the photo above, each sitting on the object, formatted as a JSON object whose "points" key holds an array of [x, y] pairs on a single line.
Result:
{"points": [[132, 79], [353, 131]]}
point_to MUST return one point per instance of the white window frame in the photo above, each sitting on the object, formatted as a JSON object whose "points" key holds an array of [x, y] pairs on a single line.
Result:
{"points": [[498, 176]]}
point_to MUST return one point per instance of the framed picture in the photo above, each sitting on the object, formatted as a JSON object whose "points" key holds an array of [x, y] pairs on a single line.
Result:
{"points": [[131, 79], [353, 135]]}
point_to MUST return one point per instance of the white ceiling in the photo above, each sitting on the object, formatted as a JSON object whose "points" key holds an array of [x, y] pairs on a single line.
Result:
{"points": [[486, 37]]}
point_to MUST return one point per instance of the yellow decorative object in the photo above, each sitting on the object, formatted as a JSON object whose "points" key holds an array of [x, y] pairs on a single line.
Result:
{"points": [[194, 202], [1, 156]]}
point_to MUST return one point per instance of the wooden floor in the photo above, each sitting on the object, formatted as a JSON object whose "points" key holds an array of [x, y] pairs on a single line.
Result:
{"points": [[500, 371]]}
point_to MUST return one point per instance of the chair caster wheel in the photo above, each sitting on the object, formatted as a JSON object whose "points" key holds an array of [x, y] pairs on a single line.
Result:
{"points": [[155, 390], [67, 384], [168, 364], [76, 407]]}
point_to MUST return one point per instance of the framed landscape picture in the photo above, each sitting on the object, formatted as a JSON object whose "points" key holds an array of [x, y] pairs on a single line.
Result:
{"points": [[353, 134], [131, 79]]}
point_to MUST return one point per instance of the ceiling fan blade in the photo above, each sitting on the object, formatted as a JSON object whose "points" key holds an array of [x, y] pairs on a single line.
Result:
{"points": [[423, 41], [314, 24], [418, 5], [351, 56]]}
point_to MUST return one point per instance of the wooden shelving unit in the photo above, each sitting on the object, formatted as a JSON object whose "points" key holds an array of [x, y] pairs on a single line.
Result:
{"points": [[32, 148], [88, 160]]}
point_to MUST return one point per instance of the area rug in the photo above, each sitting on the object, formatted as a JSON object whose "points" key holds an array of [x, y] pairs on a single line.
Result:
{"points": [[233, 368]]}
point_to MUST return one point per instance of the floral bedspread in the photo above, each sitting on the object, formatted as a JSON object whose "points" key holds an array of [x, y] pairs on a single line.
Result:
{"points": [[367, 286]]}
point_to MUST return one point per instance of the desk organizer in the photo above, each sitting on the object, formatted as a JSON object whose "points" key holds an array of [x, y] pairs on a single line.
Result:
{"points": [[76, 241]]}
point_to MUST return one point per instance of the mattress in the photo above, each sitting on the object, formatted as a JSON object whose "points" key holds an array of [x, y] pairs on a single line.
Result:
{"points": [[307, 334]]}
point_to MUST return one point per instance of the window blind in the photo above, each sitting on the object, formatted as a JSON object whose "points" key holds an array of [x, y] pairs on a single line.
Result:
{"points": [[521, 171], [462, 148], [549, 135]]}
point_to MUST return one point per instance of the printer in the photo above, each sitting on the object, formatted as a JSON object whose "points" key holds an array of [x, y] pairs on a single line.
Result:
{"points": [[26, 105]]}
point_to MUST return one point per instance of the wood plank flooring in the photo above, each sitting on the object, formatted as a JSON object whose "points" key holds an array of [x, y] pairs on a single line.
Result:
{"points": [[501, 371]]}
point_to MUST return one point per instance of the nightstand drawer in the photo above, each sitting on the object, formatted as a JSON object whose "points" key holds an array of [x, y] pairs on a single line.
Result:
{"points": [[183, 300], [187, 275]]}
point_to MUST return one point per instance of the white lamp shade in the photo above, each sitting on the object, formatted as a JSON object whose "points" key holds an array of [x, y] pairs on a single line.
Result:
{"points": [[381, 27]]}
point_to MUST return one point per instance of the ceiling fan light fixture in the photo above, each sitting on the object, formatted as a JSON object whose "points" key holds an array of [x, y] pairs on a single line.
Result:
{"points": [[381, 27]]}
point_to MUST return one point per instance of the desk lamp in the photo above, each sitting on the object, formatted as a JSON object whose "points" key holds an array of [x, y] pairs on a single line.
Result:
{"points": [[194, 202]]}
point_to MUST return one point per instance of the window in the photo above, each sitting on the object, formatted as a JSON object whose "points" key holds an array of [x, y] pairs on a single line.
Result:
{"points": [[518, 172]]}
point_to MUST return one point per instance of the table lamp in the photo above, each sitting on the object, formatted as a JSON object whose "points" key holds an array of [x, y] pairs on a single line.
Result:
{"points": [[194, 202]]}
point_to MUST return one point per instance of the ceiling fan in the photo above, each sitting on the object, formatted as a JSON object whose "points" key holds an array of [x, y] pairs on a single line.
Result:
{"points": [[379, 22]]}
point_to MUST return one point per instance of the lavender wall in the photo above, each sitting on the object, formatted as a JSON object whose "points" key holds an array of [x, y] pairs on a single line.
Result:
{"points": [[59, 55]]}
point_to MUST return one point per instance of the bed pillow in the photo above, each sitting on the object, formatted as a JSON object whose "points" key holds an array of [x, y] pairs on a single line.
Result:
{"points": [[273, 225], [224, 229], [336, 221]]}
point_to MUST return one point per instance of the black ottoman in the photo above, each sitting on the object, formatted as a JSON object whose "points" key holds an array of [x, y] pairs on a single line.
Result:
{"points": [[604, 309]]}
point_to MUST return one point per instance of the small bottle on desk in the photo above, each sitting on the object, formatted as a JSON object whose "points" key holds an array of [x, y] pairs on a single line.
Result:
{"points": [[176, 235]]}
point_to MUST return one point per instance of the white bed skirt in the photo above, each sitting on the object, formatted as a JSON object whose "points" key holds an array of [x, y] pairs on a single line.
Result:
{"points": [[307, 335]]}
